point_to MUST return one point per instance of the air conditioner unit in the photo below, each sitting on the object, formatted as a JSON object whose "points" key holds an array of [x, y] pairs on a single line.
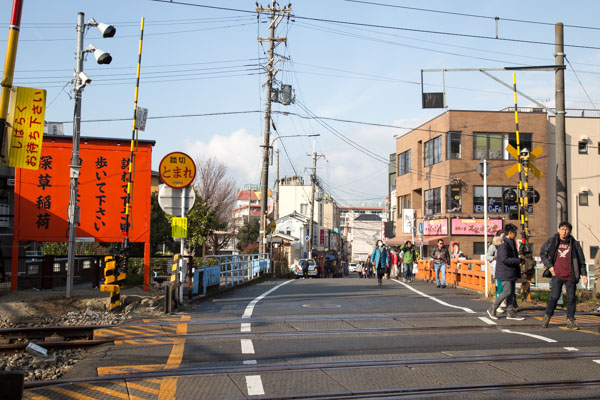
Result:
{"points": [[584, 138], [10, 182]]}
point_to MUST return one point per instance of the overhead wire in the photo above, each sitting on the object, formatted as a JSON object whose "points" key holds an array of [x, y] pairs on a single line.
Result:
{"points": [[581, 84]]}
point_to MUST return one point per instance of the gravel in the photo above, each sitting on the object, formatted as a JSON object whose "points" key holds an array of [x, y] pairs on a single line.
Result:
{"points": [[59, 361]]}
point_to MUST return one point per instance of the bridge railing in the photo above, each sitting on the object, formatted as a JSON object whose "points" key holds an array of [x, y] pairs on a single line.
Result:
{"points": [[230, 270], [463, 273]]}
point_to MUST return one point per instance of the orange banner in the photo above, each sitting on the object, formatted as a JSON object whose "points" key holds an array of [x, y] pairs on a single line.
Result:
{"points": [[42, 197]]}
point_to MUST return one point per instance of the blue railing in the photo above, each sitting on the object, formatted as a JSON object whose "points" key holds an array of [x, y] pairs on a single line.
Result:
{"points": [[230, 271]]}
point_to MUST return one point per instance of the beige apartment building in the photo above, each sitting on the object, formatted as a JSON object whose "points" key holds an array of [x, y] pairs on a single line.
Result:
{"points": [[583, 177], [436, 177]]}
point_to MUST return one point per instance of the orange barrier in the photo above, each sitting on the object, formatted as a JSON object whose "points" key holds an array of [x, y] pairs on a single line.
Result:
{"points": [[462, 273]]}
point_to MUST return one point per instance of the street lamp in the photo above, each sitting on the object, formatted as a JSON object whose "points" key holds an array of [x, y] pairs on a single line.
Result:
{"points": [[79, 82], [287, 136]]}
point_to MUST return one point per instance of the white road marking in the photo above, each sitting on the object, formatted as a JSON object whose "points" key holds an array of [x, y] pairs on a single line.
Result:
{"points": [[254, 385], [487, 321], [250, 362], [545, 339], [247, 346], [250, 307], [465, 309], [246, 327], [571, 349], [596, 361]]}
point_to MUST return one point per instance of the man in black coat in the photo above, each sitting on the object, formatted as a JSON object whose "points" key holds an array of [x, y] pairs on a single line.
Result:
{"points": [[563, 257], [508, 270]]}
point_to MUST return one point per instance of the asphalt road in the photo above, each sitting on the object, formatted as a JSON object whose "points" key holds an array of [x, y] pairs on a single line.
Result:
{"points": [[342, 338]]}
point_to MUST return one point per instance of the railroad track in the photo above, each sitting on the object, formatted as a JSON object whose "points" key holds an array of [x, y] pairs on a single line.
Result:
{"points": [[51, 336], [312, 366]]}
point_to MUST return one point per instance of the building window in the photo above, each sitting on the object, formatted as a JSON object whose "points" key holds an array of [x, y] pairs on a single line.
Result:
{"points": [[87, 264], [454, 146], [433, 201], [593, 252], [583, 199], [479, 248], [583, 147], [403, 202], [304, 209], [453, 198], [404, 163], [56, 267], [496, 203], [433, 151], [598, 147], [487, 146], [524, 143]]}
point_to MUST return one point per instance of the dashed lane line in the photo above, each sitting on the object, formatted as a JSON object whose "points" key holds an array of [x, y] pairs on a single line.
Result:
{"points": [[465, 309], [250, 362], [487, 321], [246, 327], [254, 385], [247, 346], [571, 348], [545, 339]]}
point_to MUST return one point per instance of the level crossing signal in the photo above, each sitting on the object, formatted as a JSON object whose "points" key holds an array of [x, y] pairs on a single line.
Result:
{"points": [[524, 157]]}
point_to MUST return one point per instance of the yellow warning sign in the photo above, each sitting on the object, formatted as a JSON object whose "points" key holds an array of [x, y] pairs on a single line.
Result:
{"points": [[179, 227]]}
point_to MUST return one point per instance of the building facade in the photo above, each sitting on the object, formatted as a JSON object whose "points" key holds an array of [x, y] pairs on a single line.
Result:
{"points": [[583, 185], [436, 177]]}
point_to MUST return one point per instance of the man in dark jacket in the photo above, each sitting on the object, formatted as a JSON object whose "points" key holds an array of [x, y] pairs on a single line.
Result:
{"points": [[563, 257], [441, 257], [508, 270]]}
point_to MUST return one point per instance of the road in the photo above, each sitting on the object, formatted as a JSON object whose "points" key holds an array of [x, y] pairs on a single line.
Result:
{"points": [[340, 338]]}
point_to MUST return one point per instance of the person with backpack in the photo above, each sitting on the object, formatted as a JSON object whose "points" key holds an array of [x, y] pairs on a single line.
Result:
{"points": [[380, 260], [410, 256]]}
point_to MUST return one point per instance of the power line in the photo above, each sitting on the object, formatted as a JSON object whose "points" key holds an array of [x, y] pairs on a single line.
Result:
{"points": [[353, 23], [470, 15], [580, 84]]}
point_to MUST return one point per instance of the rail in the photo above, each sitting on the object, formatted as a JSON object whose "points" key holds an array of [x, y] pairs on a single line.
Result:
{"points": [[230, 271]]}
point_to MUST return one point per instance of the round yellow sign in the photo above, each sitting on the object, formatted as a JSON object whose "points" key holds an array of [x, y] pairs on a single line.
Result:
{"points": [[177, 170]]}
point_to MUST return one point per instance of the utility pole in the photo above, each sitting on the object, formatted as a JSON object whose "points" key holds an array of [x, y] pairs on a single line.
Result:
{"points": [[562, 210], [313, 178], [276, 205], [277, 15]]}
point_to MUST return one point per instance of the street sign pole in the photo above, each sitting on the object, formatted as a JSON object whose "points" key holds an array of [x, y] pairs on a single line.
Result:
{"points": [[182, 273], [485, 222]]}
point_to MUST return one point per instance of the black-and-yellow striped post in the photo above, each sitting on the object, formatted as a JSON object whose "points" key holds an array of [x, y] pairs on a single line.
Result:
{"points": [[172, 287], [523, 199], [113, 278]]}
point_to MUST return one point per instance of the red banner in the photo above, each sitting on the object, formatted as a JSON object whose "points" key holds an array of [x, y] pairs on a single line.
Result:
{"points": [[42, 196]]}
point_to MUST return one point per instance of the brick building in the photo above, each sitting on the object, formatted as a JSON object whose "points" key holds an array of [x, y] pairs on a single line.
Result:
{"points": [[436, 177]]}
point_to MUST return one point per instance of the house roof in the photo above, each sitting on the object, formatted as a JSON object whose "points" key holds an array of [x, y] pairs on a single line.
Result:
{"points": [[294, 215], [243, 195], [368, 217]]}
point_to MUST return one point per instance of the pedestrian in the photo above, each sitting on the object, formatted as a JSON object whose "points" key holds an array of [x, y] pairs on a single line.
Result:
{"points": [[368, 267], [410, 256], [304, 265], [380, 261], [441, 257], [394, 261], [388, 267], [491, 254], [563, 257], [508, 270]]}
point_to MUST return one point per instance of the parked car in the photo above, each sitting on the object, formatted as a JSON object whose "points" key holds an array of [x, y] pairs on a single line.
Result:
{"points": [[353, 267], [313, 268]]}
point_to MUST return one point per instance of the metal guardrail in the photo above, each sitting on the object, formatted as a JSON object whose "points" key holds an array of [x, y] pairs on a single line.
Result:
{"points": [[230, 271]]}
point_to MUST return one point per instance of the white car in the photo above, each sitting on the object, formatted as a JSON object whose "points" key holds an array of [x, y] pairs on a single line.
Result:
{"points": [[313, 269], [353, 267]]}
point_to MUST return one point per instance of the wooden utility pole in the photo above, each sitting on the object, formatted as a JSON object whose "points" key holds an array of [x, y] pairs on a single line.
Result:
{"points": [[277, 15], [562, 203], [313, 178], [276, 205]]}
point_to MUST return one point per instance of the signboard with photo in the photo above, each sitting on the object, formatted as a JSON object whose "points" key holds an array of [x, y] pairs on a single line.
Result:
{"points": [[475, 226]]}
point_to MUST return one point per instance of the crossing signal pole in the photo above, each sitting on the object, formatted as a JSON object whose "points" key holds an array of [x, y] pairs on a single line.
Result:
{"points": [[523, 166], [276, 16]]}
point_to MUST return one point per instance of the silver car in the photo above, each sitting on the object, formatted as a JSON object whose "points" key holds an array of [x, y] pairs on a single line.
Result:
{"points": [[313, 268]]}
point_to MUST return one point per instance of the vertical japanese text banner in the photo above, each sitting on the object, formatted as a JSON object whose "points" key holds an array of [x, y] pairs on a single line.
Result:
{"points": [[26, 127]]}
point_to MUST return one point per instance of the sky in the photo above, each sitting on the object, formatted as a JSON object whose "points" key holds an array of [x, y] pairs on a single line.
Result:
{"points": [[355, 68]]}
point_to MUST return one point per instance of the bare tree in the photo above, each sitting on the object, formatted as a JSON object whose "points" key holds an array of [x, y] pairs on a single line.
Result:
{"points": [[218, 191]]}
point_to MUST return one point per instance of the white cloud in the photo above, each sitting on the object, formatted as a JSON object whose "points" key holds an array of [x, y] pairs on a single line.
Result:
{"points": [[240, 151]]}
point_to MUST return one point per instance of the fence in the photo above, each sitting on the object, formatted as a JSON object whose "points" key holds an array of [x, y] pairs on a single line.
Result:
{"points": [[471, 274], [230, 271]]}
